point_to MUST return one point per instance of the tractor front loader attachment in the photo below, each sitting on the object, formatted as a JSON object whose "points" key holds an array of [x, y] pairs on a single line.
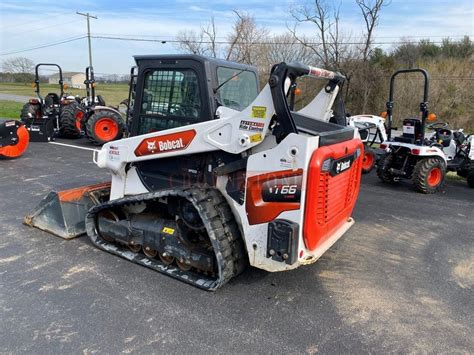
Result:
{"points": [[63, 213]]}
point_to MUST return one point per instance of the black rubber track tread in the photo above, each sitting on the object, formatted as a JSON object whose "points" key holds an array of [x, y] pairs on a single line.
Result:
{"points": [[384, 163], [67, 121], [368, 150], [25, 112], [96, 116], [420, 175], [220, 224]]}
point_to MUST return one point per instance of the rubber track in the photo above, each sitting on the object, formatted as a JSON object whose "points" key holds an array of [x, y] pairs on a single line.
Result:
{"points": [[220, 225]]}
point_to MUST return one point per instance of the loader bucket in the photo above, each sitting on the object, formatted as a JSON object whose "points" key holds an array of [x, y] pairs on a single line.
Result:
{"points": [[63, 213]]}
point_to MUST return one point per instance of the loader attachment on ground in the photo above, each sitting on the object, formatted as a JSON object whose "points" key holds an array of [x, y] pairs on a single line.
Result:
{"points": [[63, 213]]}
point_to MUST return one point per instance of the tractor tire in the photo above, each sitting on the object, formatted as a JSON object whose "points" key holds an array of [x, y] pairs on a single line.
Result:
{"points": [[384, 163], [104, 126], [470, 176], [69, 126], [429, 175], [368, 162], [29, 113]]}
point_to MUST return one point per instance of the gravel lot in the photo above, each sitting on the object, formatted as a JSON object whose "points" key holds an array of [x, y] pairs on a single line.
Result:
{"points": [[401, 280]]}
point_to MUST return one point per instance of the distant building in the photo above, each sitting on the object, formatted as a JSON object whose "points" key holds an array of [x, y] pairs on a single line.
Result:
{"points": [[73, 79]]}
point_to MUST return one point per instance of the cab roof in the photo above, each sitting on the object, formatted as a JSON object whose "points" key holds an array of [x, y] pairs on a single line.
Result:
{"points": [[194, 57]]}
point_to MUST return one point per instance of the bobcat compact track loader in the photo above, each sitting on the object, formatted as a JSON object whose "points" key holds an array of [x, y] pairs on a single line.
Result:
{"points": [[215, 176]]}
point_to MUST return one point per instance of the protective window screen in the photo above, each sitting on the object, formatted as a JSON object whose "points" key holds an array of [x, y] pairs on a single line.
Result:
{"points": [[240, 89], [171, 98]]}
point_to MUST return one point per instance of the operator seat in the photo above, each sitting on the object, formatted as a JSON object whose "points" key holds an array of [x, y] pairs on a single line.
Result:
{"points": [[411, 131], [51, 99], [444, 136]]}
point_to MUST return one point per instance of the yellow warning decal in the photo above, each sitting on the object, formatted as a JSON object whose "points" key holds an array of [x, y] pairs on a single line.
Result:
{"points": [[259, 112], [168, 230], [254, 138]]}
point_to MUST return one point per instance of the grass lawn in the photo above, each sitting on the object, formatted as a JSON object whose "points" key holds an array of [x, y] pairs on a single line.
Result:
{"points": [[112, 93], [10, 109]]}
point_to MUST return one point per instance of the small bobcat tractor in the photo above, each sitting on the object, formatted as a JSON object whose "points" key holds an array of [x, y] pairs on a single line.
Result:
{"points": [[216, 175], [100, 123], [424, 160]]}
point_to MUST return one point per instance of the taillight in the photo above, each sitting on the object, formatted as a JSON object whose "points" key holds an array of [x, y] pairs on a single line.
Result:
{"points": [[415, 151], [326, 165], [383, 146]]}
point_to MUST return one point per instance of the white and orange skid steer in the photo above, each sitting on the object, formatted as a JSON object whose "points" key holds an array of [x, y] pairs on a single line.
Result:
{"points": [[216, 175]]}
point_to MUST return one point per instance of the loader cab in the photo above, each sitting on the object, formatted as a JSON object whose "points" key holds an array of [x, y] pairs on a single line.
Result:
{"points": [[180, 90]]}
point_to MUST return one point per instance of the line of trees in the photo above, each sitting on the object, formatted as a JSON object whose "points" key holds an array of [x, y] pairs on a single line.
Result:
{"points": [[366, 66]]}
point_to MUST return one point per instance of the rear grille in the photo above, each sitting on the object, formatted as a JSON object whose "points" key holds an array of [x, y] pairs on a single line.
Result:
{"points": [[330, 199]]}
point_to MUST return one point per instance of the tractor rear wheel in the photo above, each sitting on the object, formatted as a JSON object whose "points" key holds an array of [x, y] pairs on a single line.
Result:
{"points": [[383, 167], [70, 121], [368, 162], [429, 175], [470, 176], [29, 113], [104, 126]]}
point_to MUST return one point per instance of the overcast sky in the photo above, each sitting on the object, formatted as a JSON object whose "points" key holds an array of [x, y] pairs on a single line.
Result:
{"points": [[32, 23]]}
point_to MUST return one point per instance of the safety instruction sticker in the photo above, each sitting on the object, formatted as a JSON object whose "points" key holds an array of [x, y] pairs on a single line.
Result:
{"points": [[254, 138], [168, 230], [114, 153], [251, 126], [259, 112]]}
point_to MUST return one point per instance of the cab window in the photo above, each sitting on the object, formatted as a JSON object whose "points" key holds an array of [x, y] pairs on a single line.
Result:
{"points": [[238, 92], [171, 98]]}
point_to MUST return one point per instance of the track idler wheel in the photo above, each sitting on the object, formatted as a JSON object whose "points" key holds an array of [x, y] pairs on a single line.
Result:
{"points": [[150, 252], [182, 265], [166, 259], [134, 248]]}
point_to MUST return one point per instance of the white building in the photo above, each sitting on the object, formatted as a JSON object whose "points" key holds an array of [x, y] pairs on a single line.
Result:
{"points": [[73, 79]]}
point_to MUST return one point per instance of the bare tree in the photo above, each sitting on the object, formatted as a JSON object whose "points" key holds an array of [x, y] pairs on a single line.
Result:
{"points": [[211, 34], [245, 39], [191, 42], [328, 42], [371, 12], [202, 43], [20, 67], [283, 48]]}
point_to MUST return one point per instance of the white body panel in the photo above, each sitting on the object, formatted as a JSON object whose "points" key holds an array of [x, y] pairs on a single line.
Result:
{"points": [[424, 151]]}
